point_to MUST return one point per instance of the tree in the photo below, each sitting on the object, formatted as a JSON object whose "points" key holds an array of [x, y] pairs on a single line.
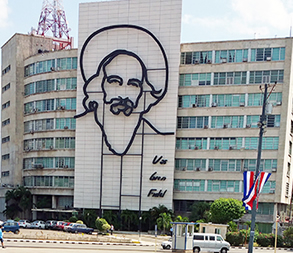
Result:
{"points": [[164, 221], [179, 218], [112, 218], [18, 200], [89, 217], [102, 225], [200, 210], [129, 218], [225, 210]]}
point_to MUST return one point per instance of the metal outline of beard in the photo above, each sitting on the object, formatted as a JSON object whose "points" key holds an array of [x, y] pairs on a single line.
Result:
{"points": [[125, 105]]}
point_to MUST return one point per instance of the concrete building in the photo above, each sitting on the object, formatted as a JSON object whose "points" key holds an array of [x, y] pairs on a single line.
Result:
{"points": [[219, 107], [38, 128]]}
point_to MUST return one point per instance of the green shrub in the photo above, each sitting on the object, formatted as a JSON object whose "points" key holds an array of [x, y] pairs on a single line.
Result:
{"points": [[73, 219], [102, 225], [246, 235], [265, 240], [288, 237], [235, 238]]}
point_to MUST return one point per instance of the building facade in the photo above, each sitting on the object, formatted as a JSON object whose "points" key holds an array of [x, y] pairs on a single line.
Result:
{"points": [[221, 87], [38, 128], [151, 128]]}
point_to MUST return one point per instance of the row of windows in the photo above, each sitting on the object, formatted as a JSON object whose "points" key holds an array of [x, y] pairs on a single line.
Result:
{"points": [[49, 124], [228, 100], [6, 87], [7, 69], [49, 162], [225, 78], [199, 185], [50, 85], [50, 105], [50, 65], [6, 139], [226, 143], [226, 121], [49, 143], [5, 105], [224, 164], [5, 122], [52, 181], [233, 55]]}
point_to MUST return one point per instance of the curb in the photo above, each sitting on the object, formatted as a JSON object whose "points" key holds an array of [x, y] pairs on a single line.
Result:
{"points": [[262, 248], [77, 242]]}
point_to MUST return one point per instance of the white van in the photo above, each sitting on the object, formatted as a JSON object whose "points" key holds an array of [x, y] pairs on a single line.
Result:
{"points": [[209, 242]]}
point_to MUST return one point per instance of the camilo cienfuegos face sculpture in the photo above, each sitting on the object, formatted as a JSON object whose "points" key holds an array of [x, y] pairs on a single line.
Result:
{"points": [[120, 92]]}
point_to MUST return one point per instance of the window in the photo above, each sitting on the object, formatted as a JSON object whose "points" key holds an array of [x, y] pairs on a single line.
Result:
{"points": [[5, 157], [269, 187], [288, 169], [66, 84], [268, 54], [5, 88], [265, 165], [223, 186], [272, 120], [38, 144], [49, 181], [190, 164], [195, 79], [65, 123], [49, 162], [226, 143], [228, 100], [189, 185], [256, 99], [187, 101], [45, 86], [66, 103], [39, 67], [5, 122], [5, 173], [267, 143], [225, 164], [191, 143], [238, 55], [266, 76], [222, 78], [287, 189], [265, 209], [202, 57], [192, 122], [227, 122], [6, 70], [290, 148], [67, 63], [65, 143], [6, 105], [5, 139]]}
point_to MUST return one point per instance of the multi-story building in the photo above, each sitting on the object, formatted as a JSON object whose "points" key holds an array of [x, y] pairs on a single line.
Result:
{"points": [[38, 128], [221, 88]]}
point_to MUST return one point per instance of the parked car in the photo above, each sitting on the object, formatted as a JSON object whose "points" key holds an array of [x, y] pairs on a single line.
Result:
{"points": [[38, 224], [59, 225], [50, 224], [167, 244], [66, 228], [24, 224], [11, 226], [80, 228]]}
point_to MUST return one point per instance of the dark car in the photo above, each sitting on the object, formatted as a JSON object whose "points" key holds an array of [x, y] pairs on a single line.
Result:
{"points": [[80, 228], [50, 224], [11, 226]]}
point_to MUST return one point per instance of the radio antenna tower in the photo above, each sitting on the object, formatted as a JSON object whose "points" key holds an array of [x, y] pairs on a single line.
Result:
{"points": [[53, 19]]}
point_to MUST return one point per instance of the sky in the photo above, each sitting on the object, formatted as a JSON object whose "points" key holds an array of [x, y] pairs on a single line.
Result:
{"points": [[209, 20]]}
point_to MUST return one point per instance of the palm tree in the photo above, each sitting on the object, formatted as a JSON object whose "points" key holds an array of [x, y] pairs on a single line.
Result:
{"points": [[179, 218], [129, 217], [164, 221]]}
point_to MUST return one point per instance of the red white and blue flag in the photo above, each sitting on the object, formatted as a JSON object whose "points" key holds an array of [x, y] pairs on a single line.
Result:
{"points": [[250, 192]]}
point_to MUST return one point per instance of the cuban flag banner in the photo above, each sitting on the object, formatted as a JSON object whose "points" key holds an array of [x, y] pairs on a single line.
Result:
{"points": [[250, 189]]}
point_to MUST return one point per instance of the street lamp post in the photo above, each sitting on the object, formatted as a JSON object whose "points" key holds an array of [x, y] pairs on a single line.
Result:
{"points": [[262, 125]]}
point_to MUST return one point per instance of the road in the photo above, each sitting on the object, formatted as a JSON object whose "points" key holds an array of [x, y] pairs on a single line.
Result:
{"points": [[29, 247]]}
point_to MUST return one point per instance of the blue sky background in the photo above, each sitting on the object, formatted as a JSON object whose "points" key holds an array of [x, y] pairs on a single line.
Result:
{"points": [[210, 20]]}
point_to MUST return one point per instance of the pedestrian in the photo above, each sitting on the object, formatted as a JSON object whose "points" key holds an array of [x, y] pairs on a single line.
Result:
{"points": [[111, 229], [1, 236]]}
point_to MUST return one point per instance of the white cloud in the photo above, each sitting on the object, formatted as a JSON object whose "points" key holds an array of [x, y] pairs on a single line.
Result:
{"points": [[262, 18], [4, 10]]}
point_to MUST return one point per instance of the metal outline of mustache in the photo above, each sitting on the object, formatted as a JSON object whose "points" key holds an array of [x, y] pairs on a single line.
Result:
{"points": [[93, 105]]}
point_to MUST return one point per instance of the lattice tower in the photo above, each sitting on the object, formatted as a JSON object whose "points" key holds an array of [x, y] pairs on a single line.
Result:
{"points": [[53, 19]]}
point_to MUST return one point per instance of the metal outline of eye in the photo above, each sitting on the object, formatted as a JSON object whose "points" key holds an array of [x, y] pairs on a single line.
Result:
{"points": [[134, 82], [115, 79]]}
